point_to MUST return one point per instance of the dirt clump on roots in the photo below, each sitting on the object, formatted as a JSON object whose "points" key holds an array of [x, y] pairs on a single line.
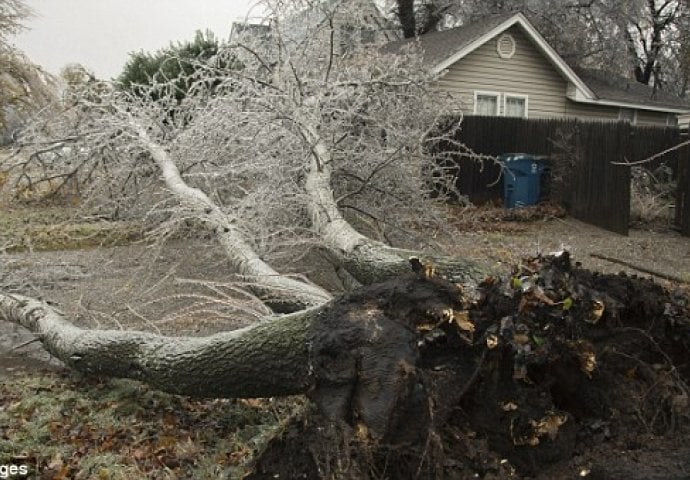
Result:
{"points": [[553, 372]]}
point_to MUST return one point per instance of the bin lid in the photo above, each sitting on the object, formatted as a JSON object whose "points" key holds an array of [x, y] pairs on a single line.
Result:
{"points": [[515, 157], [522, 163]]}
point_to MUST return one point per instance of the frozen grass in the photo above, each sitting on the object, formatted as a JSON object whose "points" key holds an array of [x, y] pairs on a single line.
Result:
{"points": [[68, 426]]}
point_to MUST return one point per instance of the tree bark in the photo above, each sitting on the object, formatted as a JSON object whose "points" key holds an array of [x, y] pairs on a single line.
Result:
{"points": [[270, 358]]}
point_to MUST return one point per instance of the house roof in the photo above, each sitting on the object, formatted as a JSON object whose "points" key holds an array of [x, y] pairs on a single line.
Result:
{"points": [[253, 29], [442, 49], [606, 85], [438, 46]]}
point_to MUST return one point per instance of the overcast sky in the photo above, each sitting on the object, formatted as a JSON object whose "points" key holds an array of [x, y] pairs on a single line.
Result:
{"points": [[100, 33]]}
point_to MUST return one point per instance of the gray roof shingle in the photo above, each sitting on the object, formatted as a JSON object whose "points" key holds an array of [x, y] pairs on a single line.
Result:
{"points": [[438, 46], [609, 86]]}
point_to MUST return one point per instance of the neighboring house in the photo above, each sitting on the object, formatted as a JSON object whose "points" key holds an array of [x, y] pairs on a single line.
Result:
{"points": [[352, 23], [503, 66], [256, 30]]}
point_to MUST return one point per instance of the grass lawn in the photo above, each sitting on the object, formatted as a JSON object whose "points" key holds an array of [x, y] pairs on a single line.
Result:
{"points": [[63, 425]]}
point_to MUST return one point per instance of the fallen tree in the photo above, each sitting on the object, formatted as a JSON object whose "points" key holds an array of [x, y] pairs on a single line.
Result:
{"points": [[267, 156], [550, 360], [326, 350], [273, 157]]}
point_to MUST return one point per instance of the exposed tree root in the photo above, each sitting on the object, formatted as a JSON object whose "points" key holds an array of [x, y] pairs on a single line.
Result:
{"points": [[546, 374]]}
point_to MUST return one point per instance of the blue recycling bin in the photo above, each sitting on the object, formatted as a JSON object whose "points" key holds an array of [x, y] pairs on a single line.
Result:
{"points": [[521, 179]]}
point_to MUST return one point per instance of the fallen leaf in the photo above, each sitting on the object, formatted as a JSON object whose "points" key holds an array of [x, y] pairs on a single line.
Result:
{"points": [[596, 313], [56, 463], [549, 424], [462, 320]]}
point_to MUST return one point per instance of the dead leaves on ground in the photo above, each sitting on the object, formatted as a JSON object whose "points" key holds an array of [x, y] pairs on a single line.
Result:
{"points": [[68, 427], [499, 219]]}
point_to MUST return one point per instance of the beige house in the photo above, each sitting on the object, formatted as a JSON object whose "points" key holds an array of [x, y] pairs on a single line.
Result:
{"points": [[503, 66]]}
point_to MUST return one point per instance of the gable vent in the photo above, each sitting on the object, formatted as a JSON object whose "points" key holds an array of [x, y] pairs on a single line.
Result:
{"points": [[505, 46]]}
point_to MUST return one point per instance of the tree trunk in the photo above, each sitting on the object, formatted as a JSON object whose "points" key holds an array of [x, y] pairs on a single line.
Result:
{"points": [[368, 261], [406, 17], [227, 364], [355, 356]]}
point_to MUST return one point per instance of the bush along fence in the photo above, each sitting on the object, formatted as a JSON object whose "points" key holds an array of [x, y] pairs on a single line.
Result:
{"points": [[579, 171]]}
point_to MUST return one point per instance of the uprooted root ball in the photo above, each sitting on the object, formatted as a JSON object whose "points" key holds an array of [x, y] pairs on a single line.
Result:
{"points": [[418, 378]]}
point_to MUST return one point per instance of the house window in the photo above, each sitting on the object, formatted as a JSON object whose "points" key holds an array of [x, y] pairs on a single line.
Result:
{"points": [[486, 103], [503, 104], [515, 106], [671, 120], [628, 115]]}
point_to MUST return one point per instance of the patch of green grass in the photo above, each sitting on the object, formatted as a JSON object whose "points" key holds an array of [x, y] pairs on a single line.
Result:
{"points": [[78, 427]]}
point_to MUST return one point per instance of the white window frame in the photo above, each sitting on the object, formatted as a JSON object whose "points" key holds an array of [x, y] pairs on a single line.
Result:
{"points": [[487, 93], [506, 96], [620, 115]]}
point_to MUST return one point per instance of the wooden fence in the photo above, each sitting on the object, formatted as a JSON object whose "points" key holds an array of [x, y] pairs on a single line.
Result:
{"points": [[683, 191], [579, 155]]}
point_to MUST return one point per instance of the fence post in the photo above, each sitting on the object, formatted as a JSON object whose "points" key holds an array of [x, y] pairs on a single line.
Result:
{"points": [[682, 214]]}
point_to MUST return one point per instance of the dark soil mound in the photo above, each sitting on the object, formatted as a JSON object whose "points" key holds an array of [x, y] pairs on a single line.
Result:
{"points": [[555, 372]]}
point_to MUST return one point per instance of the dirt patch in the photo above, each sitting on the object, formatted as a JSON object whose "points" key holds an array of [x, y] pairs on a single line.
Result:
{"points": [[507, 242], [21, 365], [31, 228]]}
